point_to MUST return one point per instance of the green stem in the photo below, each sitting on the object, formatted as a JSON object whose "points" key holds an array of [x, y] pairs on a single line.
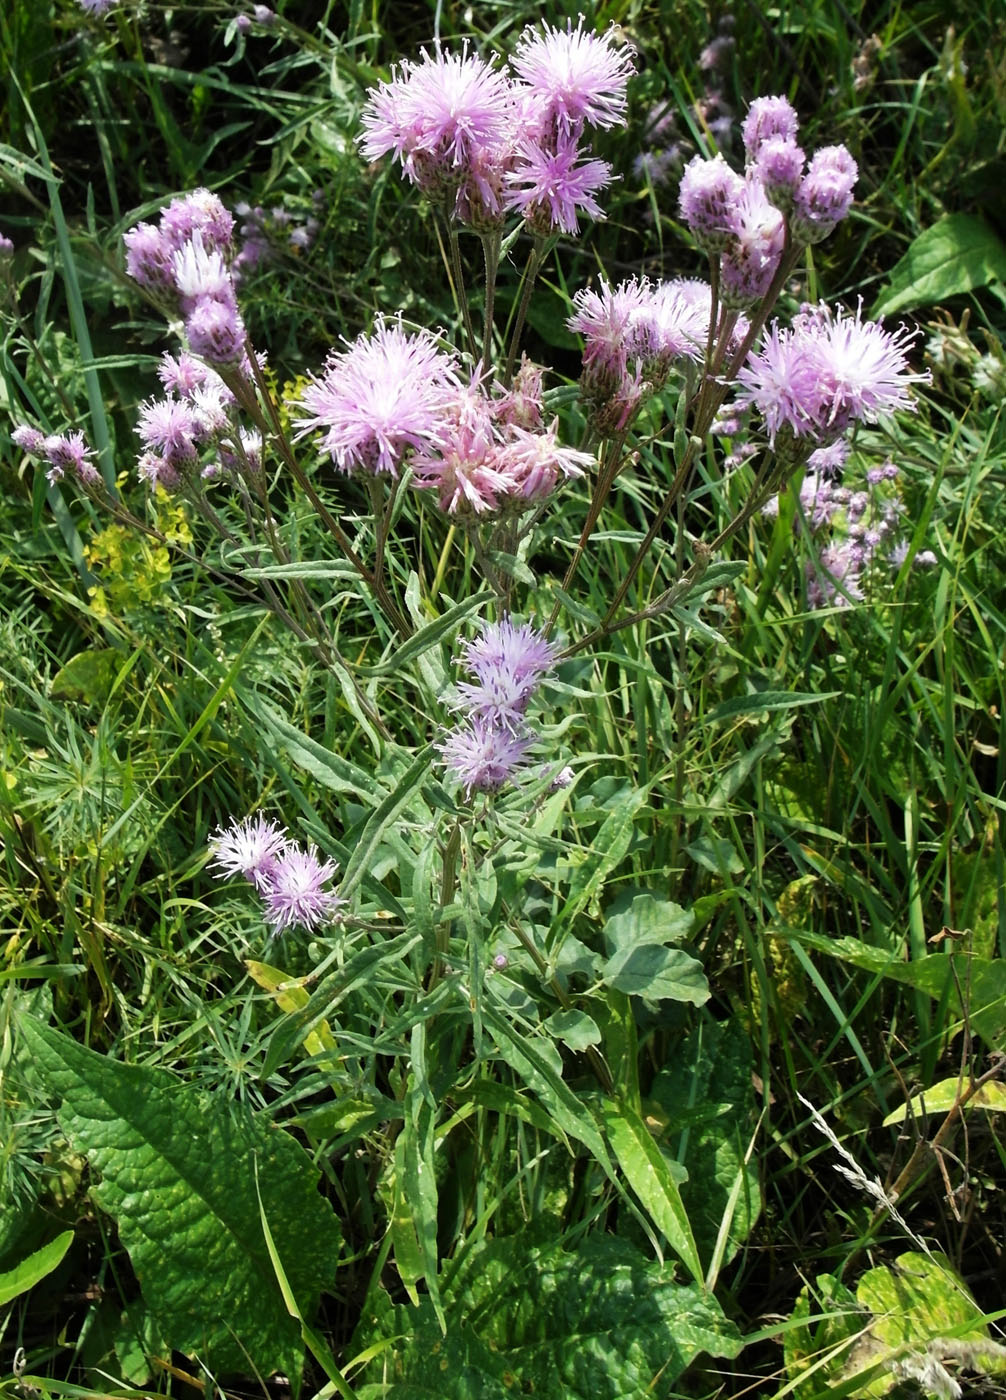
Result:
{"points": [[491, 253], [531, 269], [459, 284]]}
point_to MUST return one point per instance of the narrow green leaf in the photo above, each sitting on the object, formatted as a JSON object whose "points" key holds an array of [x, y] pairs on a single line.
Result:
{"points": [[608, 847], [766, 700], [330, 769], [649, 1175], [444, 626], [528, 1057], [381, 818], [35, 1268]]}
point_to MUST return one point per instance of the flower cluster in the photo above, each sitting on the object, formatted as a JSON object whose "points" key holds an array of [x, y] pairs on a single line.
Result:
{"points": [[484, 142], [745, 219], [814, 379], [508, 663], [292, 881], [393, 399], [633, 335], [491, 454], [266, 232], [184, 263], [856, 534], [198, 412], [63, 453]]}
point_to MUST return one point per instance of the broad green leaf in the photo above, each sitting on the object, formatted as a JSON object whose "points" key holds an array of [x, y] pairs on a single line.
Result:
{"points": [[654, 1180], [599, 1323], [177, 1172], [656, 973], [705, 1103], [35, 1268], [88, 676], [957, 253], [639, 916], [574, 1028], [914, 1301], [942, 1097]]}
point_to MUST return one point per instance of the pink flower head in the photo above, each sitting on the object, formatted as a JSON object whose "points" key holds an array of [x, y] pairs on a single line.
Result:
{"points": [[751, 258], [825, 194], [708, 197], [464, 463], [170, 427], [509, 662], [201, 212], [533, 462], [249, 848], [200, 271], [382, 397], [295, 891], [520, 406], [779, 165], [827, 371], [863, 368], [181, 374], [576, 78], [436, 116], [29, 439], [768, 118], [551, 186], [149, 260], [69, 452], [152, 468], [216, 331], [483, 756]]}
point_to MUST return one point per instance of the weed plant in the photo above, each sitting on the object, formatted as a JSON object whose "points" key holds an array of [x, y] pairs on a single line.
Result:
{"points": [[519, 913]]}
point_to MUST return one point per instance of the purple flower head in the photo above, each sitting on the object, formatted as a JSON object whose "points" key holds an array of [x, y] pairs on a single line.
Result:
{"points": [[201, 272], [708, 196], [170, 427], [551, 186], [216, 331], [382, 397], [767, 118], [149, 260], [483, 756], [249, 848], [29, 439], [69, 452], [181, 374], [295, 893], [829, 461], [716, 54], [825, 194], [835, 579], [508, 663], [826, 372], [97, 7], [6, 249], [862, 368], [575, 77], [436, 116], [242, 23], [263, 15], [779, 165], [676, 322], [533, 462], [751, 259], [201, 212]]}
